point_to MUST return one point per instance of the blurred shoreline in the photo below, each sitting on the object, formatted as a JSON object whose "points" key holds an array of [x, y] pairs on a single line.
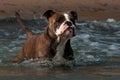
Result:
{"points": [[86, 9]]}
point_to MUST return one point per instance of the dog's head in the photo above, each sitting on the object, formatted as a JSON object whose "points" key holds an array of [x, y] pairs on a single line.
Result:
{"points": [[62, 24]]}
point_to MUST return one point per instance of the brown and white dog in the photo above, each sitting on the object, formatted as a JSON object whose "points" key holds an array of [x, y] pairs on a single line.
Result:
{"points": [[54, 42]]}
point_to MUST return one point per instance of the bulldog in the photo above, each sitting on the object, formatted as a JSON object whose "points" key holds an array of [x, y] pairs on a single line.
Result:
{"points": [[54, 42]]}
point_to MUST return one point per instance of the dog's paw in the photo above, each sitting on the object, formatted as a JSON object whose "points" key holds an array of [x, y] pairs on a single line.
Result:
{"points": [[59, 60]]}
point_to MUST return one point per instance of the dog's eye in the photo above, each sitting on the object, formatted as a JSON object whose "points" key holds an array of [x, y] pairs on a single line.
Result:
{"points": [[60, 19], [72, 20]]}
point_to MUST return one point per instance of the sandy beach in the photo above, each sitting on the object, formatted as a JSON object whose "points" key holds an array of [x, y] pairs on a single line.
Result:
{"points": [[86, 9]]}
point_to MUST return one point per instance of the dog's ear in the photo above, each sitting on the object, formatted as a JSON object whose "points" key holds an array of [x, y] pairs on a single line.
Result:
{"points": [[74, 15], [48, 13]]}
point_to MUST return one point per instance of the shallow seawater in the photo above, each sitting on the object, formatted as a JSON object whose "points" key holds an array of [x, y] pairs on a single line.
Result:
{"points": [[96, 49]]}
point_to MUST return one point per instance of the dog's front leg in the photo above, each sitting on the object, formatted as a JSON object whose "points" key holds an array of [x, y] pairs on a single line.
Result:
{"points": [[60, 52], [58, 57]]}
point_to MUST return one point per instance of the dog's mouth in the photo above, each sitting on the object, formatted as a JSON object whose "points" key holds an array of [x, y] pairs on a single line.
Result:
{"points": [[68, 31]]}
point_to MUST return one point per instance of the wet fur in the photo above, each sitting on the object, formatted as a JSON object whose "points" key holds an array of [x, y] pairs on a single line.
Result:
{"points": [[43, 45]]}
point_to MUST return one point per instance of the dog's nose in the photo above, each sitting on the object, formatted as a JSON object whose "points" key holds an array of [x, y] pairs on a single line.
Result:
{"points": [[68, 23]]}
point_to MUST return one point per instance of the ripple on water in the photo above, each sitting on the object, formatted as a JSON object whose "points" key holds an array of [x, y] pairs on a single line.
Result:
{"points": [[93, 41]]}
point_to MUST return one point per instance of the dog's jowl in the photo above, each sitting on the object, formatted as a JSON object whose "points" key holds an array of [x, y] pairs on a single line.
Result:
{"points": [[54, 42]]}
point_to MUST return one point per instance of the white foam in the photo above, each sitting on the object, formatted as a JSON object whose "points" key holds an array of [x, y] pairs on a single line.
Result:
{"points": [[110, 20], [94, 44], [85, 36], [113, 47], [22, 36]]}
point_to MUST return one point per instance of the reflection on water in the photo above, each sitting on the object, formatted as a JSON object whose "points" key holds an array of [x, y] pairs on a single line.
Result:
{"points": [[96, 49]]}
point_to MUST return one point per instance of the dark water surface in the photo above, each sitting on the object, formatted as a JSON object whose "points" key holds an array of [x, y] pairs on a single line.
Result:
{"points": [[96, 49]]}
